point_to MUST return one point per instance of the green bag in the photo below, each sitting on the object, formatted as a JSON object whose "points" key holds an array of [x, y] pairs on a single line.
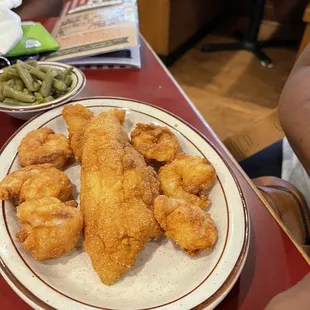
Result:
{"points": [[36, 39]]}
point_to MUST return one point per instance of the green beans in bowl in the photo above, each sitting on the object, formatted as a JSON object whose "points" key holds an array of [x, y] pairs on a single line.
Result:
{"points": [[28, 88]]}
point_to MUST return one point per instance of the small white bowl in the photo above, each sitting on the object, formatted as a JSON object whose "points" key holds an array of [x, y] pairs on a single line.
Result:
{"points": [[27, 112]]}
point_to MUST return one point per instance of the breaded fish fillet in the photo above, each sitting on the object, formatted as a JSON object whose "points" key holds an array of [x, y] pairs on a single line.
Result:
{"points": [[117, 194], [77, 118]]}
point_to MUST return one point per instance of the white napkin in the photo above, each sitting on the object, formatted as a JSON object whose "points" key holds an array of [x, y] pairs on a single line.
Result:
{"points": [[10, 4], [10, 25]]}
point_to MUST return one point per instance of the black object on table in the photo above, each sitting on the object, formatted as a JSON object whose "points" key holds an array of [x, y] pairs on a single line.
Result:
{"points": [[249, 41], [6, 62]]}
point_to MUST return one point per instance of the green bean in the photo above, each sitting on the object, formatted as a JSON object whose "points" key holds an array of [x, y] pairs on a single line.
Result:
{"points": [[59, 85], [19, 85], [25, 75], [14, 102], [38, 96], [47, 84], [60, 75], [59, 93], [17, 95], [68, 71], [36, 72], [10, 83], [46, 68], [43, 68], [32, 63], [36, 86], [68, 80], [6, 77], [48, 99], [31, 83], [11, 71], [2, 84]]}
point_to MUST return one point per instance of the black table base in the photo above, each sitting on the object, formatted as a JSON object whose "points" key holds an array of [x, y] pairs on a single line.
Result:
{"points": [[249, 41]]}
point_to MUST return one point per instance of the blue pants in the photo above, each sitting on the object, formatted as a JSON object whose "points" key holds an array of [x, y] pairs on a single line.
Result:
{"points": [[267, 162]]}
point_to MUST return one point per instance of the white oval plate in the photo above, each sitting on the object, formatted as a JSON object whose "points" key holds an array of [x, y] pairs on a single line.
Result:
{"points": [[163, 276], [78, 83]]}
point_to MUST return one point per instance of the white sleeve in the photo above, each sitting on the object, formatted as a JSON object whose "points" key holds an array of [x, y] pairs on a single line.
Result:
{"points": [[294, 172]]}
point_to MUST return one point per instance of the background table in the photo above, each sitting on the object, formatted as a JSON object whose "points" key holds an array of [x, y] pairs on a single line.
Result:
{"points": [[274, 263]]}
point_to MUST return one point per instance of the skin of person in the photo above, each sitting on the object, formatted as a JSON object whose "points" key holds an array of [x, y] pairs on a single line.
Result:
{"points": [[31, 9]]}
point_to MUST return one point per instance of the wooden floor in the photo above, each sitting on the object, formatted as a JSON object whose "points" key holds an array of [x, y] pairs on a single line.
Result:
{"points": [[231, 89]]}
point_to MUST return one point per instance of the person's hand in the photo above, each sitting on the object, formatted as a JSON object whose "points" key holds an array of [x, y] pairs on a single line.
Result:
{"points": [[297, 297]]}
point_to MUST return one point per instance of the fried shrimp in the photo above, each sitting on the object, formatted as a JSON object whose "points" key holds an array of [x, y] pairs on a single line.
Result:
{"points": [[155, 142], [189, 226], [187, 177], [34, 182], [49, 227], [43, 146]]}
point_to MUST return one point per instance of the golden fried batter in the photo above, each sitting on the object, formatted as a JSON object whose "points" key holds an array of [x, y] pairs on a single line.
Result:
{"points": [[43, 146], [49, 228], [186, 177], [34, 182], [117, 195], [77, 118], [155, 142], [190, 227]]}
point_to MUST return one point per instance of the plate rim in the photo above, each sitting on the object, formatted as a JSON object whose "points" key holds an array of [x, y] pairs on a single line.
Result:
{"points": [[30, 298]]}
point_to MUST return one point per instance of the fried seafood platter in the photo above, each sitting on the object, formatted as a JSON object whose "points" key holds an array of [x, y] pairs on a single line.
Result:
{"points": [[115, 206]]}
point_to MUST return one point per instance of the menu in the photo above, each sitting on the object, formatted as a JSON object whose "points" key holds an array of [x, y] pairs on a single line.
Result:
{"points": [[98, 33]]}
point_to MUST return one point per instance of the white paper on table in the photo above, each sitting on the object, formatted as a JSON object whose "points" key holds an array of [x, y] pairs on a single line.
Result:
{"points": [[10, 25]]}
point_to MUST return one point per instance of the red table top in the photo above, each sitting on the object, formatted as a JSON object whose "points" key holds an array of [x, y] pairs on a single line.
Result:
{"points": [[274, 263]]}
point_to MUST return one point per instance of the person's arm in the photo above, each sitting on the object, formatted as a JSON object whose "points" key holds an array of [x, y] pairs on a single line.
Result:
{"points": [[294, 109], [31, 9], [297, 297]]}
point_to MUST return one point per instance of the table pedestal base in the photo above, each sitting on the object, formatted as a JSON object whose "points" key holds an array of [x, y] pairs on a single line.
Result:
{"points": [[253, 47], [250, 40]]}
